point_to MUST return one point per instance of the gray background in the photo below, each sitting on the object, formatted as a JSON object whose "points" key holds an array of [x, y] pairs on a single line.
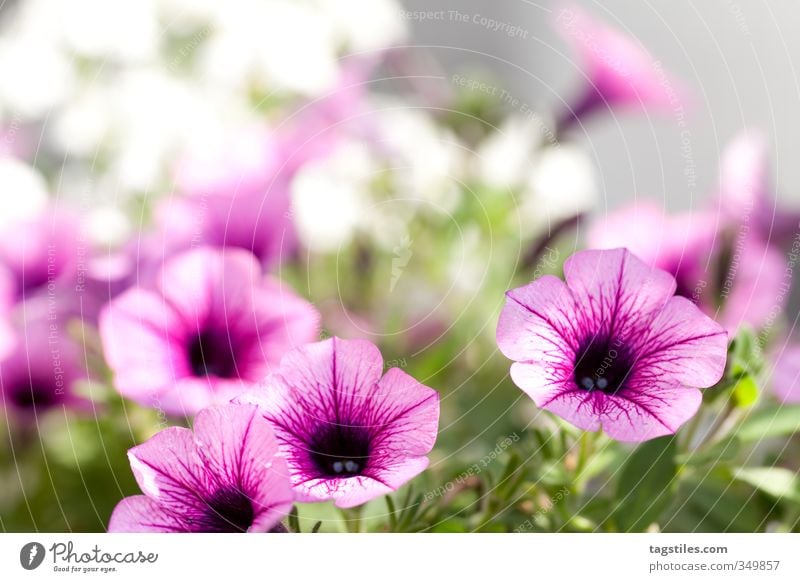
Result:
{"points": [[738, 57]]}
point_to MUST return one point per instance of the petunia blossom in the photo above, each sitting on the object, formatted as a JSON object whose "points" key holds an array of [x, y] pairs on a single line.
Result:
{"points": [[747, 197], [41, 251], [211, 328], [678, 243], [785, 380], [40, 371], [223, 478], [727, 269], [612, 347], [618, 71], [348, 434]]}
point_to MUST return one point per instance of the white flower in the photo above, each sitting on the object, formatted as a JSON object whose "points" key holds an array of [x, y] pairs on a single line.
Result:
{"points": [[504, 158], [561, 185], [23, 192], [35, 77], [365, 25], [85, 121], [108, 226], [330, 197], [280, 44], [425, 160], [122, 30]]}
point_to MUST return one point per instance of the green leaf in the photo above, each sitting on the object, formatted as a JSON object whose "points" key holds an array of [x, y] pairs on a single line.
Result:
{"points": [[721, 451], [745, 392], [392, 513], [644, 487], [775, 481], [745, 354], [779, 420]]}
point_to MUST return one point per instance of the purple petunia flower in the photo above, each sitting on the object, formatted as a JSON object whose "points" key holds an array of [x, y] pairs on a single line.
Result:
{"points": [[348, 434], [785, 381], [40, 371], [41, 251], [213, 326], [225, 477], [728, 271], [619, 72], [611, 348]]}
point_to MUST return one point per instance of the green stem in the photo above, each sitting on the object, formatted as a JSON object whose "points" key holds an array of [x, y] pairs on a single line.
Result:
{"points": [[691, 430], [718, 423], [586, 447], [352, 519]]}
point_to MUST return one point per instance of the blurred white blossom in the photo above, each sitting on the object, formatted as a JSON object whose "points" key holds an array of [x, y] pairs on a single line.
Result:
{"points": [[562, 184], [365, 25], [35, 76], [330, 196], [505, 156], [427, 161], [23, 192], [280, 44]]}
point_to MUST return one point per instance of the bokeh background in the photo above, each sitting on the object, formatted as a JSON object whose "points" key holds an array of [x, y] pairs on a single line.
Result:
{"points": [[420, 180], [739, 58]]}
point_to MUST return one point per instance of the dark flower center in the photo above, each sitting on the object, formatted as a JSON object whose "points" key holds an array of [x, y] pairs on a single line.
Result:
{"points": [[228, 510], [34, 394], [603, 365], [211, 354], [340, 451]]}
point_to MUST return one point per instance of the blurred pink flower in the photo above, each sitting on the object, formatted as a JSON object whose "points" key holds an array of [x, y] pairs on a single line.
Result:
{"points": [[618, 71], [348, 434], [747, 194], [613, 348], [41, 369], [41, 251], [212, 327], [224, 477], [785, 379], [732, 274]]}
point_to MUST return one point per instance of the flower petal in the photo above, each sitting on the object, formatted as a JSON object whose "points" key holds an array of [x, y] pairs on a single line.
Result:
{"points": [[139, 513], [617, 292], [207, 281], [239, 449], [636, 417], [786, 377], [538, 321], [345, 492], [167, 469], [683, 345], [403, 415], [142, 343]]}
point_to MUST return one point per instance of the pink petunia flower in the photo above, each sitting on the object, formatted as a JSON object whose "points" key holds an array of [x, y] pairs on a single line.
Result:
{"points": [[611, 348], [619, 72], [224, 477], [731, 273], [348, 434], [747, 196], [785, 379], [212, 327], [41, 370], [41, 251]]}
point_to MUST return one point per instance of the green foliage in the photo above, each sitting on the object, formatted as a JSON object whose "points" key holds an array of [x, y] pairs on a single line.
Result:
{"points": [[646, 484]]}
